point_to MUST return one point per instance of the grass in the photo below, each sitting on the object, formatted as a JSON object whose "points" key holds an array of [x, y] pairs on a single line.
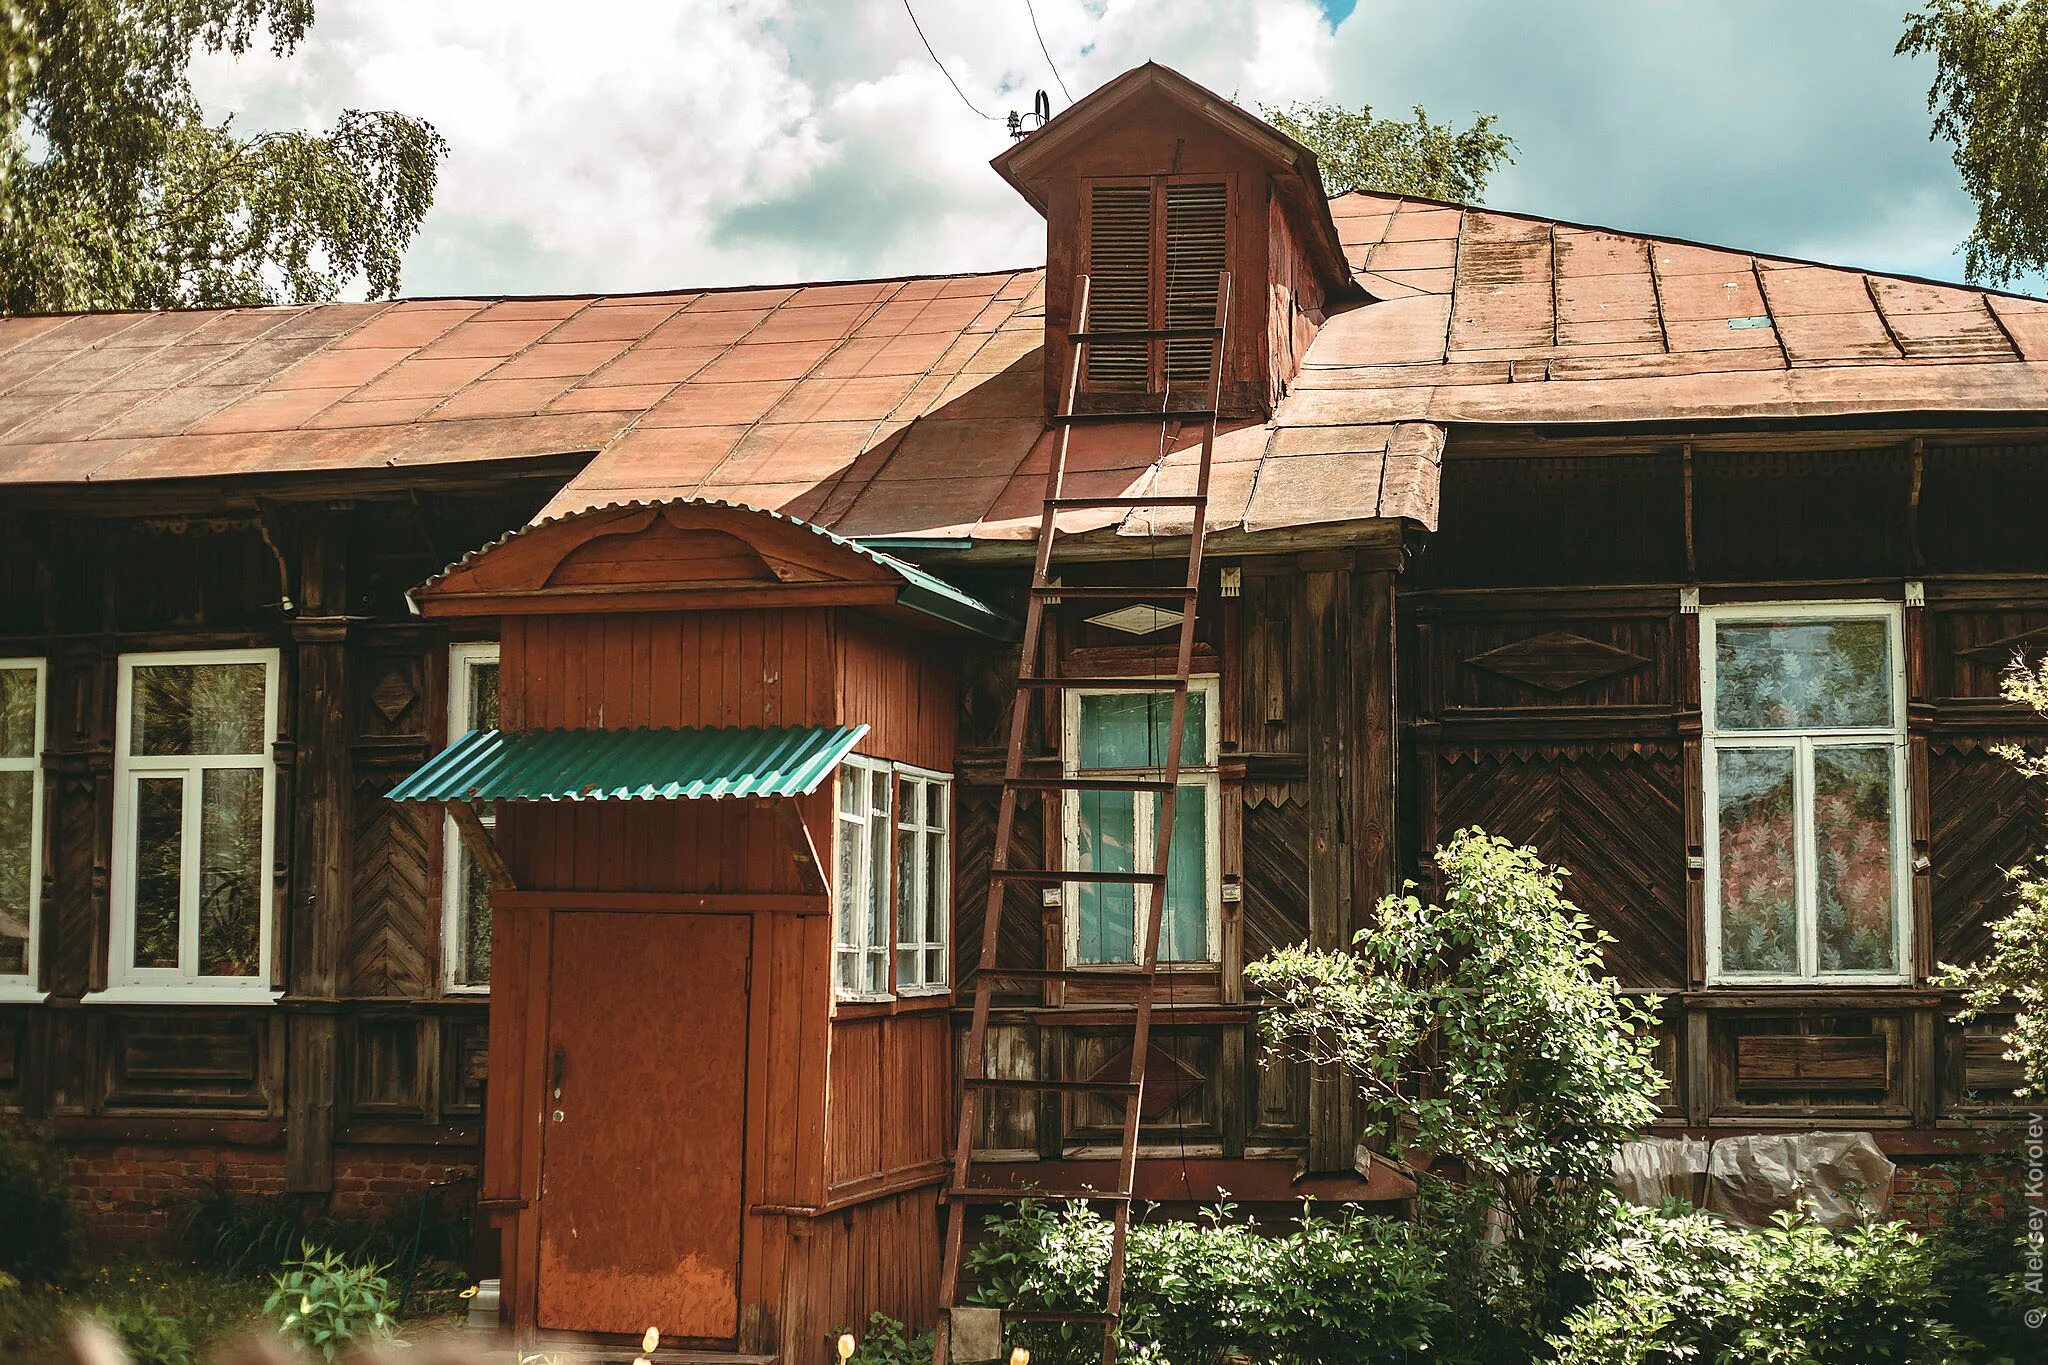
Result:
{"points": [[210, 1305]]}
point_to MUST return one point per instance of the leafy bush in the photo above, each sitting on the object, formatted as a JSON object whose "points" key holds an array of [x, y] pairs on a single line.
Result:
{"points": [[208, 1308], [1483, 1029], [1345, 1288], [152, 1336], [223, 1227], [324, 1303], [43, 1226], [1674, 1286], [1974, 1216], [884, 1343]]}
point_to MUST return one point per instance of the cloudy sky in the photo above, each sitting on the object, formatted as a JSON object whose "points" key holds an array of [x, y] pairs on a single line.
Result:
{"points": [[642, 144]]}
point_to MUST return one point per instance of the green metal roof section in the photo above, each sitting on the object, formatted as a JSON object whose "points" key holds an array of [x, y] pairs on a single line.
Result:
{"points": [[923, 591], [632, 765]]}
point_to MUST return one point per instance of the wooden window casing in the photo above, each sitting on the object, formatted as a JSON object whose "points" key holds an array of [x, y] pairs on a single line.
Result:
{"points": [[471, 706], [1154, 251], [1200, 777], [924, 871], [185, 979], [891, 918], [863, 800], [21, 769], [1805, 746]]}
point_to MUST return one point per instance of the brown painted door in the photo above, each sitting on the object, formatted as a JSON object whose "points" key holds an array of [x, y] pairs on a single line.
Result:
{"points": [[641, 1158]]}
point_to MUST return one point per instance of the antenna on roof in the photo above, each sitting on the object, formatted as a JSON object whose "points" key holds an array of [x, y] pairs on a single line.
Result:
{"points": [[1041, 113]]}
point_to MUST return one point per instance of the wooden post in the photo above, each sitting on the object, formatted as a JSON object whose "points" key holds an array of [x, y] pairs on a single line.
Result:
{"points": [[1332, 1114], [316, 919]]}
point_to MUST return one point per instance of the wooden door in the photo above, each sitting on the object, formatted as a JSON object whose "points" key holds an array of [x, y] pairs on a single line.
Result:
{"points": [[641, 1155]]}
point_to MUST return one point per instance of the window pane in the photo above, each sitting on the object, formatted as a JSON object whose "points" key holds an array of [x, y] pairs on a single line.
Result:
{"points": [[1105, 835], [17, 712], [1129, 729], [483, 696], [17, 869], [935, 797], [1184, 932], [1759, 915], [851, 791], [1802, 675], [1853, 862], [159, 861], [938, 904], [198, 709], [473, 952], [230, 871], [851, 857], [909, 920]]}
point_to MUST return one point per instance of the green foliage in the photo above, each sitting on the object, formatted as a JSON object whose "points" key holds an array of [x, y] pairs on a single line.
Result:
{"points": [[884, 1343], [43, 1229], [1348, 1288], [326, 1305], [1976, 1216], [2013, 974], [1674, 1287], [1357, 150], [220, 1226], [207, 1308], [117, 192], [1482, 1029], [1990, 101], [152, 1336]]}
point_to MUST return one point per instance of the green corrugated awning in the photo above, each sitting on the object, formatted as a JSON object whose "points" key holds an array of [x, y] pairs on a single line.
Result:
{"points": [[632, 765]]}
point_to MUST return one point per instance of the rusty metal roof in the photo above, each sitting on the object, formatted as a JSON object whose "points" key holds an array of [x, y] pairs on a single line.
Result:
{"points": [[913, 407], [632, 765]]}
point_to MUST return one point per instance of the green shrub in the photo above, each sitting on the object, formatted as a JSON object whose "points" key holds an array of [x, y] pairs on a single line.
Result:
{"points": [[43, 1227], [1344, 1288], [884, 1343], [226, 1228], [1482, 1028], [324, 1304], [152, 1336], [1677, 1287]]}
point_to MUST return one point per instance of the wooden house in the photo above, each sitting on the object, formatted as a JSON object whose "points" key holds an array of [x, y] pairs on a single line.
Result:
{"points": [[1695, 568]]}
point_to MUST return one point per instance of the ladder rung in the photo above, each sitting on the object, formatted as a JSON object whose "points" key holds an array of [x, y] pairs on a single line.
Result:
{"points": [[1147, 334], [1097, 592], [1064, 1087], [1112, 682], [985, 1194], [1085, 419], [1133, 500], [1052, 1315], [1116, 976], [1090, 784], [1055, 875]]}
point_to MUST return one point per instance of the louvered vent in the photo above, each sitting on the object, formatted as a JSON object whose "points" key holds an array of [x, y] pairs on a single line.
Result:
{"points": [[1120, 266], [1194, 260]]}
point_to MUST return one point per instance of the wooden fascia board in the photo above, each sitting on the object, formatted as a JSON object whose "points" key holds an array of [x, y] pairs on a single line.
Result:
{"points": [[585, 600]]}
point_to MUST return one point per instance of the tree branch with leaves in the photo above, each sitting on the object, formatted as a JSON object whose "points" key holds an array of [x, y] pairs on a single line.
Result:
{"points": [[1357, 150]]}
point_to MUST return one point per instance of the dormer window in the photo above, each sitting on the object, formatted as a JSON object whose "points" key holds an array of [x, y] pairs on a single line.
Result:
{"points": [[1154, 251]]}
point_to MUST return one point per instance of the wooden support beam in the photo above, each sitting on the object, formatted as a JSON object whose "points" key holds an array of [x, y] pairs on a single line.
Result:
{"points": [[482, 846], [803, 850]]}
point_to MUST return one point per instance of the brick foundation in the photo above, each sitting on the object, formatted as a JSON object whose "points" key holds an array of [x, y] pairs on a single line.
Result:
{"points": [[123, 1188]]}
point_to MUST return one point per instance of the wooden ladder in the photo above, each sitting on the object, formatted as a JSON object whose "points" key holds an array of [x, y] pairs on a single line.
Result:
{"points": [[1141, 977]]}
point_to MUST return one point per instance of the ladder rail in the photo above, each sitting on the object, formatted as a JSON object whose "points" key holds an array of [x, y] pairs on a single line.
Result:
{"points": [[1144, 973]]}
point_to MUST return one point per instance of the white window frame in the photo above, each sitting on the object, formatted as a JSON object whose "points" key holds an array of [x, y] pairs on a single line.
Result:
{"points": [[1205, 775], [461, 659], [1803, 743], [21, 987], [938, 905], [165, 985], [851, 934]]}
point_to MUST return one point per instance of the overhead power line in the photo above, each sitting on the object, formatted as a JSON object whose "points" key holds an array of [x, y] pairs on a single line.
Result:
{"points": [[1028, 9], [942, 66]]}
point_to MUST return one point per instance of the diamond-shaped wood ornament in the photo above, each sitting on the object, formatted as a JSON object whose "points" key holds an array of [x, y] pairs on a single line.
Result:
{"points": [[1168, 1080], [393, 696], [1557, 661], [1138, 620]]}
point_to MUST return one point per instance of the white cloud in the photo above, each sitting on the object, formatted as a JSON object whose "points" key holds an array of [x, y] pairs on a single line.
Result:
{"points": [[638, 144]]}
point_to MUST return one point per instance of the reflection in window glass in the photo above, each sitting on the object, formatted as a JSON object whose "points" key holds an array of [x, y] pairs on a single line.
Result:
{"points": [[1803, 675], [159, 869], [1854, 858], [197, 709], [1759, 912], [473, 679], [20, 796], [230, 853]]}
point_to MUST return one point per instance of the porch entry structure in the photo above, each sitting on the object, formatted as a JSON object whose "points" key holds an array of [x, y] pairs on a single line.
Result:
{"points": [[688, 1127]]}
